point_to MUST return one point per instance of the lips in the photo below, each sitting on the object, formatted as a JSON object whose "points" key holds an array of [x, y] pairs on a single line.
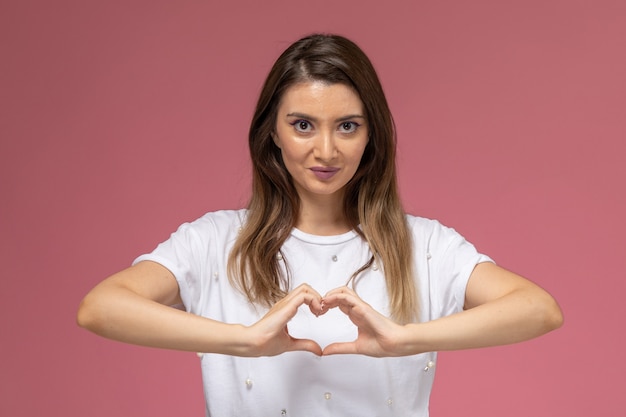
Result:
{"points": [[324, 173]]}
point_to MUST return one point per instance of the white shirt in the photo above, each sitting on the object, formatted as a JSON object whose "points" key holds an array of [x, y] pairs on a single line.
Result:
{"points": [[300, 384]]}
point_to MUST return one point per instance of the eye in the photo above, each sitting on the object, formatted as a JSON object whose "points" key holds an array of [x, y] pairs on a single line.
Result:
{"points": [[348, 127], [302, 126]]}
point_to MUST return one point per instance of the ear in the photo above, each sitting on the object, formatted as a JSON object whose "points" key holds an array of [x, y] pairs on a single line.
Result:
{"points": [[275, 139]]}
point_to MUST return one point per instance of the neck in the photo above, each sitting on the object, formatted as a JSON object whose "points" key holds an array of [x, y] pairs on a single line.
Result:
{"points": [[322, 216]]}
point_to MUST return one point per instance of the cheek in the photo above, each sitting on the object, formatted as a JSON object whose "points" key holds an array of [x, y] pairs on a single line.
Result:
{"points": [[293, 149], [358, 152], [291, 156]]}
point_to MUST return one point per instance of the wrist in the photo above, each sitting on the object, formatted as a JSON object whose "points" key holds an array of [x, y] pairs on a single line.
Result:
{"points": [[226, 339], [413, 340]]}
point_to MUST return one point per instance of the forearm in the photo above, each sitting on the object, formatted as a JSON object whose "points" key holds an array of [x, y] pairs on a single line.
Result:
{"points": [[119, 314], [521, 315]]}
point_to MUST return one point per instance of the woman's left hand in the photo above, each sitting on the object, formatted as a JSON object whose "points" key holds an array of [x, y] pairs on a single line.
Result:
{"points": [[377, 335], [501, 307]]}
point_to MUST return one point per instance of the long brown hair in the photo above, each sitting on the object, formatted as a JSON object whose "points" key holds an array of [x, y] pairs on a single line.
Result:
{"points": [[371, 203]]}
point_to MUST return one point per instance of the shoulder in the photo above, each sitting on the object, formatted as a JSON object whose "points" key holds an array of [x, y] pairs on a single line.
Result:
{"points": [[212, 227], [431, 234], [218, 220], [424, 227]]}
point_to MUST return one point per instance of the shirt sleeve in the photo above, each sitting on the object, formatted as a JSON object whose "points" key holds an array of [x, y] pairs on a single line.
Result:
{"points": [[451, 260], [185, 255]]}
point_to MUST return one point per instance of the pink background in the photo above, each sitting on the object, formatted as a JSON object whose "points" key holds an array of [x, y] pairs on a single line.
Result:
{"points": [[119, 120]]}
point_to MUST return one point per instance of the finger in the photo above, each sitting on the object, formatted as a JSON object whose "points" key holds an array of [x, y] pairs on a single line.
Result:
{"points": [[341, 299], [341, 290], [357, 310], [305, 294]]}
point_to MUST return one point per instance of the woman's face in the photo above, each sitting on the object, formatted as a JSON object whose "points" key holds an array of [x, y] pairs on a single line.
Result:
{"points": [[322, 132]]}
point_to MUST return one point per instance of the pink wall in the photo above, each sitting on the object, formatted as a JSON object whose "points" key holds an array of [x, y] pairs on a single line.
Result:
{"points": [[119, 120]]}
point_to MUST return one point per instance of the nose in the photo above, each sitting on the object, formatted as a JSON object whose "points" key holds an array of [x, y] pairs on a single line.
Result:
{"points": [[325, 147]]}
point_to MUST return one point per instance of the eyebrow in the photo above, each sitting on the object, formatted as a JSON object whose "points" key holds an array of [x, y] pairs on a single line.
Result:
{"points": [[313, 119]]}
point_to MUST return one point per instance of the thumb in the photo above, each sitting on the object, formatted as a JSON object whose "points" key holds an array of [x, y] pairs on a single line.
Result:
{"points": [[340, 348], [306, 345]]}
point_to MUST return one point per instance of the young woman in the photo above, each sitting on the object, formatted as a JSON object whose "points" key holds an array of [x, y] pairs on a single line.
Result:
{"points": [[322, 297]]}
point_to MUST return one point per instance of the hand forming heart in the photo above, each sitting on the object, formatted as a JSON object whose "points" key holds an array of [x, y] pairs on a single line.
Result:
{"points": [[377, 335]]}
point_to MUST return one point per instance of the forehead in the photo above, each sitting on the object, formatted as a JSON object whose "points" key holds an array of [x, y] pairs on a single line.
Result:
{"points": [[321, 97]]}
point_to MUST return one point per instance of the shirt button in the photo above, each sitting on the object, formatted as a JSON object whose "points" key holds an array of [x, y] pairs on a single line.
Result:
{"points": [[327, 395]]}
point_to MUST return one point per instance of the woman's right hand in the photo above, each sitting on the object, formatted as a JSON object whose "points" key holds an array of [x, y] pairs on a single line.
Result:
{"points": [[270, 335], [132, 306]]}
